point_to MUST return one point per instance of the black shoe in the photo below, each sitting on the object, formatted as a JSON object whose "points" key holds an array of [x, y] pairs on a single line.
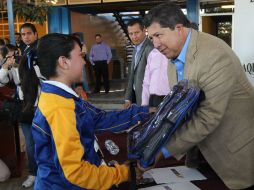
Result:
{"points": [[106, 90], [96, 91]]}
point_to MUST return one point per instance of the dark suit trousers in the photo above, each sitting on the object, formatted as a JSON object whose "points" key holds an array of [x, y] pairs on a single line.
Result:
{"points": [[101, 70], [133, 101], [155, 100]]}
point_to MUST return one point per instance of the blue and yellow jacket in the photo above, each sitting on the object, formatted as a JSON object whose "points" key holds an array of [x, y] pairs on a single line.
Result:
{"points": [[63, 130]]}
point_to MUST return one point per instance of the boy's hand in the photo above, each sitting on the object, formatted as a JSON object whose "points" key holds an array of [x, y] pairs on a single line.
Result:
{"points": [[127, 104]]}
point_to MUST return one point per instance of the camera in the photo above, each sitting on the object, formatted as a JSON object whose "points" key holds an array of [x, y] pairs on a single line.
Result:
{"points": [[17, 56]]}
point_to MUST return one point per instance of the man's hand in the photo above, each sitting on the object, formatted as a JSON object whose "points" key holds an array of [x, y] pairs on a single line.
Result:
{"points": [[152, 109], [157, 159], [15, 65], [139, 173], [5, 66], [127, 104], [114, 162], [10, 61]]}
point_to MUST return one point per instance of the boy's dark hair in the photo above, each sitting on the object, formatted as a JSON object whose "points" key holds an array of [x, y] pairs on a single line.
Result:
{"points": [[168, 15], [17, 33], [136, 21], [3, 51], [99, 35], [29, 25], [2, 43], [77, 39], [10, 47]]}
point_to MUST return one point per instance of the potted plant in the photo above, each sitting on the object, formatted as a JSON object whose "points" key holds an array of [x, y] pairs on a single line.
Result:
{"points": [[30, 11]]}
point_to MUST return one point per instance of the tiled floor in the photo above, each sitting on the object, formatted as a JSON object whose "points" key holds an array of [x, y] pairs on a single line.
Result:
{"points": [[15, 183], [111, 101]]}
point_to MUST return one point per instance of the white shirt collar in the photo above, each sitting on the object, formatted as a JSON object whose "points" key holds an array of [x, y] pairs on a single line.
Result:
{"points": [[62, 86]]}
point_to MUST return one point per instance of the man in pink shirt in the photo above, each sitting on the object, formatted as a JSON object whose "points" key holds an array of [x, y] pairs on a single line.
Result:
{"points": [[155, 83]]}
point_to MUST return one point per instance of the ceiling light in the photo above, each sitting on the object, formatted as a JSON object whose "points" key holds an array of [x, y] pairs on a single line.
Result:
{"points": [[52, 1], [228, 6]]}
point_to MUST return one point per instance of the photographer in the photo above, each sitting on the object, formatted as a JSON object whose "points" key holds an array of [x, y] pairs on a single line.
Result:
{"points": [[8, 72], [9, 68]]}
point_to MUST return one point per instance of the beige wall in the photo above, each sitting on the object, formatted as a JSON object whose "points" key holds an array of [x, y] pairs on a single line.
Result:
{"points": [[110, 31], [91, 25], [4, 28]]}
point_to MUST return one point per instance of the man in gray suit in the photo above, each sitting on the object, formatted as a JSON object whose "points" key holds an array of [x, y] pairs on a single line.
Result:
{"points": [[223, 125], [143, 46]]}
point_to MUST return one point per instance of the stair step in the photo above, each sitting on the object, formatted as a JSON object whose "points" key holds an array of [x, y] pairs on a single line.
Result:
{"points": [[109, 107], [106, 101], [110, 98]]}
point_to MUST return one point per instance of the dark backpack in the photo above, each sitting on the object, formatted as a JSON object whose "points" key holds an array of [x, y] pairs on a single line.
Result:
{"points": [[144, 142]]}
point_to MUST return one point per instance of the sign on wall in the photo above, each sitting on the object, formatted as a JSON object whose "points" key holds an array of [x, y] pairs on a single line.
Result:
{"points": [[243, 36]]}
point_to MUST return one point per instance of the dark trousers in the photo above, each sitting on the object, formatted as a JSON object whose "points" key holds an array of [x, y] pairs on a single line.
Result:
{"points": [[30, 149], [101, 70], [133, 101], [155, 100]]}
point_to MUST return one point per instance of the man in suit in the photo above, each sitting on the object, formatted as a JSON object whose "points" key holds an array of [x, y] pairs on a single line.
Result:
{"points": [[29, 36], [19, 43], [223, 125], [143, 46]]}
